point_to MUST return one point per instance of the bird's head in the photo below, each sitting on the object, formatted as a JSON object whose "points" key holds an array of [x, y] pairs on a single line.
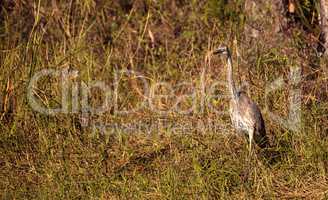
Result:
{"points": [[222, 50]]}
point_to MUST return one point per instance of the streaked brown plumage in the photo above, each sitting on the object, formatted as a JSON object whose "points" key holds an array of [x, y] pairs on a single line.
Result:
{"points": [[244, 113]]}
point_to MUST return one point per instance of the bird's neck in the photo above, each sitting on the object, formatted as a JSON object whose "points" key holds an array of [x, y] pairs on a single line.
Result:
{"points": [[231, 83]]}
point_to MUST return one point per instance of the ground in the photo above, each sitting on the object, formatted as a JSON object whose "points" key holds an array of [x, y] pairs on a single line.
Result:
{"points": [[164, 131]]}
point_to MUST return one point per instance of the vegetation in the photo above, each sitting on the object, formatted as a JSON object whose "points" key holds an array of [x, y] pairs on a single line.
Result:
{"points": [[155, 151]]}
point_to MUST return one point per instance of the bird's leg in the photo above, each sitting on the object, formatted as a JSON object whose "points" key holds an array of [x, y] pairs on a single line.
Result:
{"points": [[250, 137]]}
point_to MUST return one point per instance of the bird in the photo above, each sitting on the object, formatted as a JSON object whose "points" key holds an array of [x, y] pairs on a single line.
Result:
{"points": [[245, 114]]}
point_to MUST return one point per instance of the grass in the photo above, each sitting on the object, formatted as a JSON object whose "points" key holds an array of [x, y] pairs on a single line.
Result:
{"points": [[152, 153]]}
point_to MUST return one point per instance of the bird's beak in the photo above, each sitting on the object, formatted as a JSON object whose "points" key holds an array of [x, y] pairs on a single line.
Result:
{"points": [[220, 50]]}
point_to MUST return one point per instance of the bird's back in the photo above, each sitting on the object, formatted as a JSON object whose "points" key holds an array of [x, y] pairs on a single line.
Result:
{"points": [[250, 114]]}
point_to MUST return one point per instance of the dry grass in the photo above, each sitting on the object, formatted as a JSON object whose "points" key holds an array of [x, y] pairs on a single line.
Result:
{"points": [[166, 155]]}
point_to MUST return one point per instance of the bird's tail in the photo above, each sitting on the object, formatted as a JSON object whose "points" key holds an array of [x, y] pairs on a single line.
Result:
{"points": [[262, 139]]}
